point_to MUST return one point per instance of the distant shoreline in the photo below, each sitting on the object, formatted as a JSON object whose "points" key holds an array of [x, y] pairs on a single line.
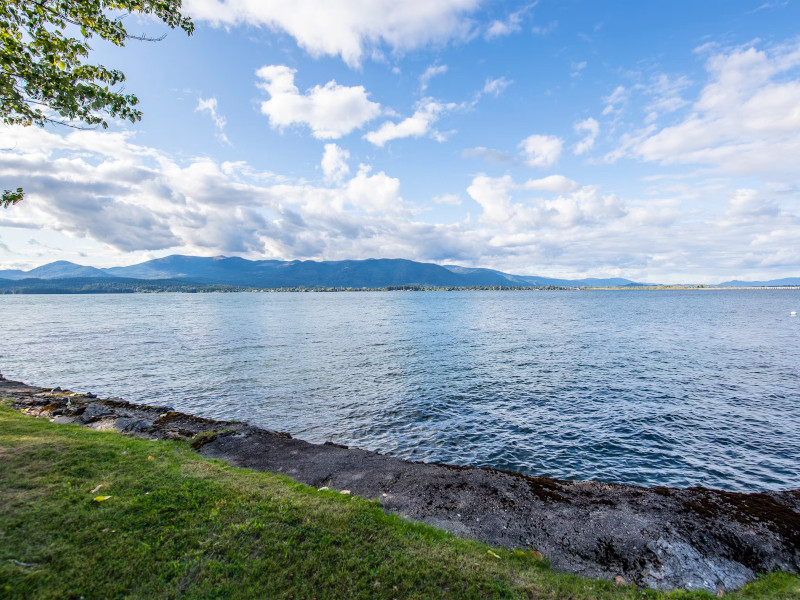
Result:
{"points": [[82, 286]]}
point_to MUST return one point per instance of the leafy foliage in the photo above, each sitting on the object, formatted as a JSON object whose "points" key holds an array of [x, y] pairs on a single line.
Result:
{"points": [[11, 197], [43, 72], [43, 67]]}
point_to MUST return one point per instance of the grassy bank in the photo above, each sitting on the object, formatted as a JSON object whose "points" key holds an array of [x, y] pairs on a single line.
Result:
{"points": [[177, 525]]}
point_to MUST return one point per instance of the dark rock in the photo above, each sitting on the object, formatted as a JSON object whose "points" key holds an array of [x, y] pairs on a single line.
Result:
{"points": [[90, 395], [132, 424], [56, 389], [94, 412], [335, 445]]}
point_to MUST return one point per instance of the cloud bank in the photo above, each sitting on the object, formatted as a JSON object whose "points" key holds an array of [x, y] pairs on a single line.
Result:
{"points": [[103, 186], [345, 28]]}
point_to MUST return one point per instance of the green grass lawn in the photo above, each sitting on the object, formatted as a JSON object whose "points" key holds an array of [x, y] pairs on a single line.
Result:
{"points": [[177, 525]]}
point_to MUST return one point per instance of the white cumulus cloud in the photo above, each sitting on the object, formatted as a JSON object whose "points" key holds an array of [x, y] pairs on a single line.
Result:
{"points": [[374, 194], [330, 111], [541, 150]]}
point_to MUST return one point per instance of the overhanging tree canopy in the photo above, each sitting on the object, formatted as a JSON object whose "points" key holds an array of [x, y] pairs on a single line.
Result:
{"points": [[44, 77]]}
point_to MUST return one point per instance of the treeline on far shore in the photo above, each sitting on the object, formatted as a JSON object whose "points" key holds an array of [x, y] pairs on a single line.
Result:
{"points": [[109, 286]]}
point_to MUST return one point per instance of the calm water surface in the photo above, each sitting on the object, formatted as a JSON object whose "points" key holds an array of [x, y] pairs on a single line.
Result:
{"points": [[674, 388]]}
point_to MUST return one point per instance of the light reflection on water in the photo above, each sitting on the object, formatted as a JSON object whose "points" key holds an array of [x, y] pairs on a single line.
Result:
{"points": [[673, 388]]}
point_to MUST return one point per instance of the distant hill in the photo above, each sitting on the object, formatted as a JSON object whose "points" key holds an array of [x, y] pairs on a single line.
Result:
{"points": [[771, 283], [11, 274], [271, 273], [198, 268], [369, 273], [56, 270]]}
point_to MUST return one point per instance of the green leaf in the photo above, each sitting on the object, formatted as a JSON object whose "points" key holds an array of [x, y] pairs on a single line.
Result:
{"points": [[11, 197]]}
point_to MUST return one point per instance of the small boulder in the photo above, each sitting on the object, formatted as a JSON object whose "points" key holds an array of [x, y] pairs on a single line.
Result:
{"points": [[94, 412], [131, 424]]}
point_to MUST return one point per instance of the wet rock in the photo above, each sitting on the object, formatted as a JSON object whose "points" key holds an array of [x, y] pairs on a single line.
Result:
{"points": [[94, 412], [132, 424]]}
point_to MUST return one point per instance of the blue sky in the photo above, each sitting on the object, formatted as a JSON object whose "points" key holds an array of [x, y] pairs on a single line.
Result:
{"points": [[657, 141]]}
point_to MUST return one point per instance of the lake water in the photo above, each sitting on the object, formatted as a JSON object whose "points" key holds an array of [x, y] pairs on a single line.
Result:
{"points": [[674, 388]]}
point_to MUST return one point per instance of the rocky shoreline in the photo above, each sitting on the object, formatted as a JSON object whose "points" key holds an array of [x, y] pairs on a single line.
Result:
{"points": [[659, 537]]}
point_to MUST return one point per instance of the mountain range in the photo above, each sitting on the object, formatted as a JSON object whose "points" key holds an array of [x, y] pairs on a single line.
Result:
{"points": [[786, 281], [369, 273]]}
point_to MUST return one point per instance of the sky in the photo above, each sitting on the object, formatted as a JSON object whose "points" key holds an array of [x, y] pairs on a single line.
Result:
{"points": [[657, 141]]}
